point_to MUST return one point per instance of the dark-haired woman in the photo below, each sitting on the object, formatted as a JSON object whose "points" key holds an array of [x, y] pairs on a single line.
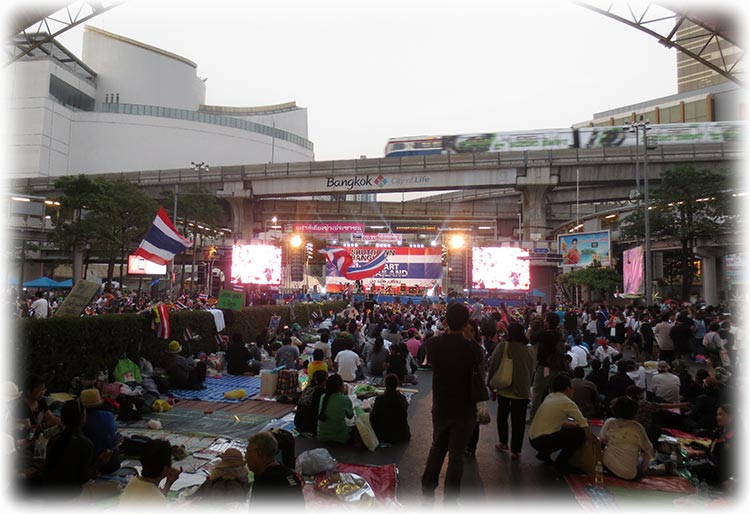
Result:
{"points": [[376, 357], [719, 467], [70, 454], [335, 408], [513, 401], [389, 413], [627, 449]]}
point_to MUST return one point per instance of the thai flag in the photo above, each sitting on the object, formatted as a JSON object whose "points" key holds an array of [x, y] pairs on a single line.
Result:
{"points": [[163, 241], [179, 305], [342, 260], [188, 335], [203, 296], [238, 287], [160, 322]]}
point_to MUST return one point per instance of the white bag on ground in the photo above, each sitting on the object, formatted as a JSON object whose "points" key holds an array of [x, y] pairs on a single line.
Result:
{"points": [[268, 383], [366, 432], [314, 461]]}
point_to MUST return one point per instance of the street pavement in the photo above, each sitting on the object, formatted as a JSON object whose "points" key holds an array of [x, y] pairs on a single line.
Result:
{"points": [[490, 477]]}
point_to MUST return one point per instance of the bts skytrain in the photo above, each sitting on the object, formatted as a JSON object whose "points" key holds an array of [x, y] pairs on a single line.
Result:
{"points": [[554, 139]]}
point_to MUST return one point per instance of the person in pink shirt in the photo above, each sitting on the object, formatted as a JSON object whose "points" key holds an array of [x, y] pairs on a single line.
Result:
{"points": [[413, 343]]}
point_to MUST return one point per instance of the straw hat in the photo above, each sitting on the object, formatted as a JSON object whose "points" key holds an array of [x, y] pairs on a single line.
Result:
{"points": [[174, 347], [10, 391], [231, 458], [91, 398]]}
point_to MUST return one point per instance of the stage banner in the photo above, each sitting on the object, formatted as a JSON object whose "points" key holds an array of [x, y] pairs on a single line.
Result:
{"points": [[403, 267], [581, 250], [632, 271], [329, 228]]}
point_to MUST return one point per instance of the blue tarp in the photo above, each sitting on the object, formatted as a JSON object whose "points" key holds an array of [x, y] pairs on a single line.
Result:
{"points": [[42, 282]]}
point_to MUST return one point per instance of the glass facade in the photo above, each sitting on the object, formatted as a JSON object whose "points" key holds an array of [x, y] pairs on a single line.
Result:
{"points": [[69, 95], [226, 121]]}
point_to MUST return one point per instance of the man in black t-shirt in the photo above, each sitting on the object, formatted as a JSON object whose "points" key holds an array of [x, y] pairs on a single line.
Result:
{"points": [[274, 482], [453, 359]]}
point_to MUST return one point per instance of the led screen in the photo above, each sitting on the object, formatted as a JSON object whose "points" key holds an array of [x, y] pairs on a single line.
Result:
{"points": [[256, 264], [139, 266], [500, 268]]}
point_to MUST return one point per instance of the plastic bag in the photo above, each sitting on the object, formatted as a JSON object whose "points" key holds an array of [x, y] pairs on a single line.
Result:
{"points": [[366, 432], [483, 413], [314, 461], [160, 406], [348, 487]]}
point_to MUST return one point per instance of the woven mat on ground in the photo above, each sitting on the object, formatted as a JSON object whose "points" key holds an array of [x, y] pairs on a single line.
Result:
{"points": [[218, 423], [652, 490], [382, 479], [216, 387]]}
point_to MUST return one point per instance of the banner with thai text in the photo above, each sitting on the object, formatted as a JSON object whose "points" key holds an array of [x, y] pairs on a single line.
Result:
{"points": [[329, 228]]}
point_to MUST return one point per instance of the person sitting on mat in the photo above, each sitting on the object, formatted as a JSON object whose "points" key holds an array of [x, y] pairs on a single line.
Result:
{"points": [[335, 408], [183, 372]]}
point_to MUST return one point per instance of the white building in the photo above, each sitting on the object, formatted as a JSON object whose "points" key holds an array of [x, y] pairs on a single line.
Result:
{"points": [[128, 106]]}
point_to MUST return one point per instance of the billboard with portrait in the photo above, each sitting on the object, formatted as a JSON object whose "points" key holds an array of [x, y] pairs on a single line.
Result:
{"points": [[500, 268], [256, 264], [583, 249]]}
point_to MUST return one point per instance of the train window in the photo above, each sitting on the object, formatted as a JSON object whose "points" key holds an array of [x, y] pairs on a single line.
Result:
{"points": [[397, 146]]}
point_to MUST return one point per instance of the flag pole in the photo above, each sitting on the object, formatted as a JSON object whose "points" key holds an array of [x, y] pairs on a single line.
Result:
{"points": [[170, 268]]}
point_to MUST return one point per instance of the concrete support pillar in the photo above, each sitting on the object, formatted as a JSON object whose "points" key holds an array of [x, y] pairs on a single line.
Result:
{"points": [[242, 217], [709, 291], [534, 184], [657, 261]]}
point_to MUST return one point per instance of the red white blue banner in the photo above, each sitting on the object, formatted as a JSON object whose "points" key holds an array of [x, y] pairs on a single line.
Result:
{"points": [[389, 267]]}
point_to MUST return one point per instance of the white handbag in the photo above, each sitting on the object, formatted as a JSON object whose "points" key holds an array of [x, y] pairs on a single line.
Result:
{"points": [[503, 377]]}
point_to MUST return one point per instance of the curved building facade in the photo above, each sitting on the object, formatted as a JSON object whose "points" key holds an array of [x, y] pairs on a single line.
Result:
{"points": [[128, 106]]}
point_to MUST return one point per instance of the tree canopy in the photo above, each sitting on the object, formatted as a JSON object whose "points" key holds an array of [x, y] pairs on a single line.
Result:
{"points": [[691, 206]]}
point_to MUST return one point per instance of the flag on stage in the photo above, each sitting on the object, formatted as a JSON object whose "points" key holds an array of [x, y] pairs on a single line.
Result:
{"points": [[163, 241]]}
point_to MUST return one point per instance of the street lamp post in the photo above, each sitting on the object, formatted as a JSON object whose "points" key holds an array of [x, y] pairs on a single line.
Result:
{"points": [[642, 126]]}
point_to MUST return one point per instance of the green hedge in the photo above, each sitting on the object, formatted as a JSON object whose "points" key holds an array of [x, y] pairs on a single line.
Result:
{"points": [[60, 349]]}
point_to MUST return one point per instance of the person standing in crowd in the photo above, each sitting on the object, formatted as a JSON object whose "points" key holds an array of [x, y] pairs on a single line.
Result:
{"points": [[453, 361], [663, 339], [40, 306], [552, 429], [550, 359], [513, 400], [156, 465], [274, 482], [682, 335]]}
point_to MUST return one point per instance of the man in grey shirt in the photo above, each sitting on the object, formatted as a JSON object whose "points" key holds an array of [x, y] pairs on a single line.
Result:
{"points": [[288, 355]]}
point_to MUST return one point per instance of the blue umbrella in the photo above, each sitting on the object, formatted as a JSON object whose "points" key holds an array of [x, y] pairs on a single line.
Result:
{"points": [[41, 282], [66, 284], [537, 292]]}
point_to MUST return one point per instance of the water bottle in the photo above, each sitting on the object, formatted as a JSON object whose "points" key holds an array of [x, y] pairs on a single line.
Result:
{"points": [[599, 474]]}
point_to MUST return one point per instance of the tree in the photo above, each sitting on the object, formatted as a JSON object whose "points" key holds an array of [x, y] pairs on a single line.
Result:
{"points": [[691, 205], [105, 216], [593, 276]]}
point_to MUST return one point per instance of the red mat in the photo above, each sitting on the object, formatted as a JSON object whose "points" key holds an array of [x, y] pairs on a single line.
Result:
{"points": [[382, 480]]}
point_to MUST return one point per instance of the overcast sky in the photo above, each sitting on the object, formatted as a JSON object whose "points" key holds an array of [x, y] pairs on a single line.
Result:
{"points": [[374, 69], [370, 70]]}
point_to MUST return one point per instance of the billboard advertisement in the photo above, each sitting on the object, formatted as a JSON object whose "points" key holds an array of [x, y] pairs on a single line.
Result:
{"points": [[137, 265], [581, 250], [256, 264], [383, 270], [500, 268]]}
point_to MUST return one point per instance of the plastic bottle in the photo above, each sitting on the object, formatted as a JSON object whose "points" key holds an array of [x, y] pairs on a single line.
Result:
{"points": [[599, 474]]}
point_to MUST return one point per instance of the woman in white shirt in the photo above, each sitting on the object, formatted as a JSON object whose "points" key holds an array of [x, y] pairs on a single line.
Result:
{"points": [[627, 450]]}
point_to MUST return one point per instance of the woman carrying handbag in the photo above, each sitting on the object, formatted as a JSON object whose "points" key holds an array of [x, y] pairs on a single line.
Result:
{"points": [[512, 399]]}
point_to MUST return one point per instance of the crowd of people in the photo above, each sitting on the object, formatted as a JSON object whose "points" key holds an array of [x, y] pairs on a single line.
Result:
{"points": [[640, 370]]}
